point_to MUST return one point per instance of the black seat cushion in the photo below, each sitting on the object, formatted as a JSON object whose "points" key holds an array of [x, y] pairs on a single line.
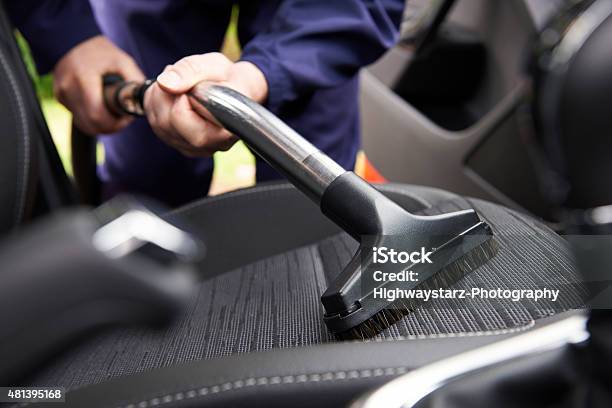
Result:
{"points": [[273, 303]]}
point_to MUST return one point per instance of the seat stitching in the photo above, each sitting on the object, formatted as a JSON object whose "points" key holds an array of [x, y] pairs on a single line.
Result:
{"points": [[20, 203], [529, 325], [328, 376], [309, 378]]}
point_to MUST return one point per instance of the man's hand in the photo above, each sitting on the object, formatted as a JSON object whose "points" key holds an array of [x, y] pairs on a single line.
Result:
{"points": [[78, 83], [170, 112]]}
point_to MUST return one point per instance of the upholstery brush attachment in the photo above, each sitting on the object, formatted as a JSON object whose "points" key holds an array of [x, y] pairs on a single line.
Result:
{"points": [[400, 254]]}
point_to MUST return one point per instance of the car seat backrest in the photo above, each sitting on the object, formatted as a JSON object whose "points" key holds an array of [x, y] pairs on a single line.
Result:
{"points": [[17, 149], [32, 178]]}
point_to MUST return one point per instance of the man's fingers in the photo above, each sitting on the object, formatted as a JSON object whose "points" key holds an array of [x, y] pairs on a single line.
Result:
{"points": [[197, 106], [191, 126], [95, 110], [169, 137], [78, 82], [158, 110], [89, 113], [182, 76], [201, 134], [130, 71]]}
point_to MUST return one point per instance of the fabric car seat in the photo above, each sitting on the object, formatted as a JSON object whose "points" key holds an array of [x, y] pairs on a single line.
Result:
{"points": [[253, 334]]}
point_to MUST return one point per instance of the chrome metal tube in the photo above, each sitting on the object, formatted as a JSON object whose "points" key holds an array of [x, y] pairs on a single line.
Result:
{"points": [[284, 149]]}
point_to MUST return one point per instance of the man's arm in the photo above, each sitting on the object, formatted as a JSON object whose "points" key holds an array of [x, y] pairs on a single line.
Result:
{"points": [[52, 27], [64, 38], [312, 44]]}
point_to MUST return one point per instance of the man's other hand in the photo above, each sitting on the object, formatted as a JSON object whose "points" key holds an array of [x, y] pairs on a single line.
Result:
{"points": [[171, 115], [78, 83]]}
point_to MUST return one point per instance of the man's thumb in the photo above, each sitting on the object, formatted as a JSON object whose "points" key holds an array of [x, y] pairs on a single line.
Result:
{"points": [[182, 76], [171, 81], [186, 73]]}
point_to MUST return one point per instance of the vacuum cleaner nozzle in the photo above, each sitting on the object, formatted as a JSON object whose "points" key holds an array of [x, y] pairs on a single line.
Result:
{"points": [[361, 303]]}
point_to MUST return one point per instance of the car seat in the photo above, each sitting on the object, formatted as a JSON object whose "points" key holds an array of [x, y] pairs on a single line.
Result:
{"points": [[253, 334]]}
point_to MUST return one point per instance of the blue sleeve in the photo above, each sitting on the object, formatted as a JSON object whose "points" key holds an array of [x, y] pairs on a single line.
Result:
{"points": [[312, 44], [52, 27]]}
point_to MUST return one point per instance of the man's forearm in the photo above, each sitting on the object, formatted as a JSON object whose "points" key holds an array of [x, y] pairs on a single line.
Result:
{"points": [[52, 27], [313, 44]]}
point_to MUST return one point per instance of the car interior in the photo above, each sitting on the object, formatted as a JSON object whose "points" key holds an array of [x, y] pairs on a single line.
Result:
{"points": [[218, 303]]}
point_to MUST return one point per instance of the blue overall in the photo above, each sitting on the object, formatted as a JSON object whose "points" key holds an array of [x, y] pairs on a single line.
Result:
{"points": [[310, 52]]}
